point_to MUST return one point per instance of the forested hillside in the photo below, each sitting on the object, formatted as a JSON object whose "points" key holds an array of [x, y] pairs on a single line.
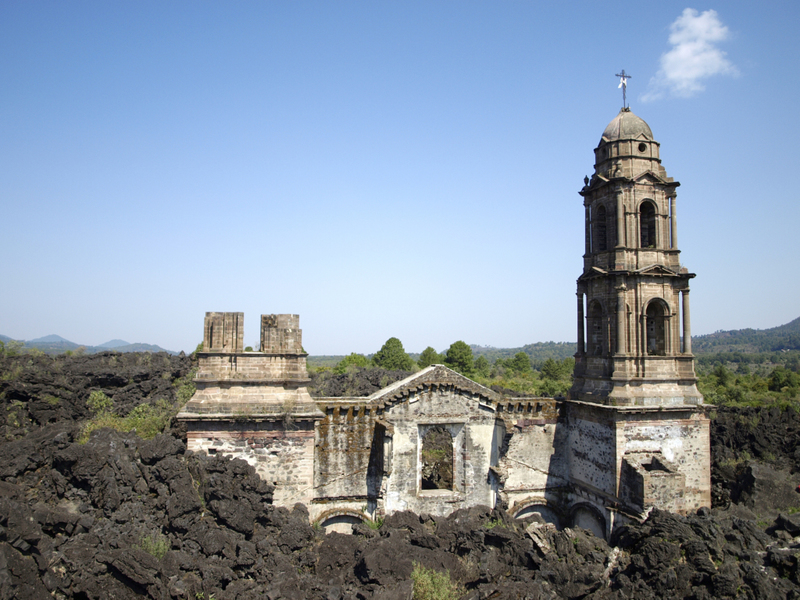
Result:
{"points": [[783, 337]]}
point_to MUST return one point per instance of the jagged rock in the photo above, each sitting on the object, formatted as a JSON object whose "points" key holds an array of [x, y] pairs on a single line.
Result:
{"points": [[92, 520]]}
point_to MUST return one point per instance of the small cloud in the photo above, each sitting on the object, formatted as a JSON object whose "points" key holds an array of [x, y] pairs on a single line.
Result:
{"points": [[693, 58]]}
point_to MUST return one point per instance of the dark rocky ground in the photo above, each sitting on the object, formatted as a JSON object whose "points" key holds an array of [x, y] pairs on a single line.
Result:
{"points": [[120, 517]]}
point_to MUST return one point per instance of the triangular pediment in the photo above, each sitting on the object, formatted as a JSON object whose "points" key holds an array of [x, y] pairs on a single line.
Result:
{"points": [[593, 272], [657, 270], [435, 377], [649, 176]]}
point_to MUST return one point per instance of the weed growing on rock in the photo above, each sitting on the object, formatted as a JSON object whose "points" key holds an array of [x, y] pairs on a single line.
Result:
{"points": [[98, 402], [146, 420], [375, 523], [433, 585], [185, 387], [156, 544]]}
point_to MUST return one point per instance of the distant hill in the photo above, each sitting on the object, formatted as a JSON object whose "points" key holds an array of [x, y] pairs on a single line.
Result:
{"points": [[775, 339], [50, 339], [55, 344], [114, 344]]}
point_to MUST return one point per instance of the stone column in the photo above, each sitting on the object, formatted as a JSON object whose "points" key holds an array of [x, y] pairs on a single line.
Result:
{"points": [[673, 223], [588, 230], [687, 327], [581, 335], [621, 314], [620, 221]]}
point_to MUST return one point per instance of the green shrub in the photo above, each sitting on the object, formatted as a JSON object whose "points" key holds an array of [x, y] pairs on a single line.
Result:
{"points": [[98, 402], [146, 420], [433, 585], [185, 387], [157, 545], [351, 360]]}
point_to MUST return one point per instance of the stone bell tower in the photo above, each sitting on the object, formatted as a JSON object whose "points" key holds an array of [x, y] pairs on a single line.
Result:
{"points": [[638, 433], [634, 334]]}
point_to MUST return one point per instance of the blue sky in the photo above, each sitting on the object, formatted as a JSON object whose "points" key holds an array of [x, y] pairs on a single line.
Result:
{"points": [[383, 169]]}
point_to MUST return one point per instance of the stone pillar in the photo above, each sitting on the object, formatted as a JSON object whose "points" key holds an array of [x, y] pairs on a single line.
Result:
{"points": [[673, 223], [588, 230], [581, 335], [620, 221], [621, 313], [687, 327]]}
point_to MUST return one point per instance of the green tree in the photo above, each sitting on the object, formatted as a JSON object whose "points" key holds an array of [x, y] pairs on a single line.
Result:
{"points": [[429, 357], [459, 358], [353, 359], [521, 363], [393, 356], [782, 378], [482, 366]]}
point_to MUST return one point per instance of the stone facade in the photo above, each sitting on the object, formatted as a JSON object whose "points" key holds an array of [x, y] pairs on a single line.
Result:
{"points": [[631, 436]]}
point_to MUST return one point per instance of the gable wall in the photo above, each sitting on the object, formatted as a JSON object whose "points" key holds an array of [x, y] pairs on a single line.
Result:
{"points": [[475, 441]]}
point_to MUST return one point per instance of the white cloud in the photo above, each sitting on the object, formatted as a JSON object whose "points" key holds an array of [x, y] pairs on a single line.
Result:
{"points": [[694, 56]]}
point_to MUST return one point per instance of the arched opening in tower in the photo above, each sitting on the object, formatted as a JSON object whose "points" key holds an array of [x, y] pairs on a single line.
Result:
{"points": [[656, 344], [437, 459], [600, 229], [647, 225], [596, 337]]}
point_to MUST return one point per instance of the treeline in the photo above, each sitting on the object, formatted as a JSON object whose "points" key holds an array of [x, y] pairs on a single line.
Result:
{"points": [[518, 373], [742, 386], [783, 337]]}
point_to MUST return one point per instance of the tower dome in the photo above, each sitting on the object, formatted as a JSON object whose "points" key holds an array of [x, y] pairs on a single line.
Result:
{"points": [[627, 126]]}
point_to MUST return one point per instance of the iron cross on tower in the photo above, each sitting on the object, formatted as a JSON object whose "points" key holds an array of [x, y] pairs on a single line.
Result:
{"points": [[623, 83]]}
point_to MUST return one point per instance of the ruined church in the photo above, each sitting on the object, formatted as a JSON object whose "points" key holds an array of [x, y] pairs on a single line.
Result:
{"points": [[632, 435]]}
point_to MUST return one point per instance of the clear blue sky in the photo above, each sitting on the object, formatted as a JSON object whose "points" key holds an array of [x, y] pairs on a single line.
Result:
{"points": [[405, 169]]}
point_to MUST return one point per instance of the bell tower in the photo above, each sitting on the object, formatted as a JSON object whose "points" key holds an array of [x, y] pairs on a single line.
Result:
{"points": [[637, 429], [634, 334]]}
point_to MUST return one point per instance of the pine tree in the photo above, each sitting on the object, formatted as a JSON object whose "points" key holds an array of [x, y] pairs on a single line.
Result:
{"points": [[392, 356], [459, 358], [430, 357]]}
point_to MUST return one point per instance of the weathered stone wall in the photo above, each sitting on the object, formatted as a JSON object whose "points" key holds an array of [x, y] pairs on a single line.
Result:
{"points": [[533, 466], [281, 334], [682, 438], [592, 448], [282, 454], [601, 438], [345, 441], [472, 426], [223, 332], [251, 366]]}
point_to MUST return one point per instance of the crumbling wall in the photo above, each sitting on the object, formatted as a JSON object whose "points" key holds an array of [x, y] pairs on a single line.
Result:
{"points": [[533, 466], [282, 453], [472, 425], [345, 441], [681, 436], [592, 448]]}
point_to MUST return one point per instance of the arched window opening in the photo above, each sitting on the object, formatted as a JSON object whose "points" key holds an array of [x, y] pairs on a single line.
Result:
{"points": [[647, 225], [600, 229], [596, 337], [656, 343], [437, 460]]}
